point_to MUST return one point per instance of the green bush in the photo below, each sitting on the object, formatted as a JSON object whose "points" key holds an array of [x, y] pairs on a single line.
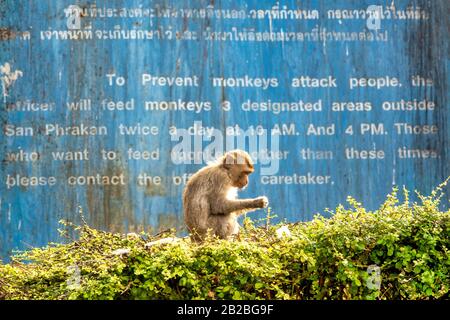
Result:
{"points": [[326, 258]]}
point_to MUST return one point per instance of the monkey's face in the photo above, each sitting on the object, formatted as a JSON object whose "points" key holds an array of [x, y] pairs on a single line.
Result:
{"points": [[239, 175], [239, 166]]}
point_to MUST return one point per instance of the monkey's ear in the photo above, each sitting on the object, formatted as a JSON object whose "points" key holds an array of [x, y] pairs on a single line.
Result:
{"points": [[228, 160]]}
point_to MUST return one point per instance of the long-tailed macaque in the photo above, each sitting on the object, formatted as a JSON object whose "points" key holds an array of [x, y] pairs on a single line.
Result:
{"points": [[210, 196]]}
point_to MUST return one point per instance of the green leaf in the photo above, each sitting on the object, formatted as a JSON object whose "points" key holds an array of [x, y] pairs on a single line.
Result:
{"points": [[258, 285]]}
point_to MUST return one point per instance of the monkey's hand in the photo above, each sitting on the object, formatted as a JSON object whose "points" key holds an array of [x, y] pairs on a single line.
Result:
{"points": [[261, 202]]}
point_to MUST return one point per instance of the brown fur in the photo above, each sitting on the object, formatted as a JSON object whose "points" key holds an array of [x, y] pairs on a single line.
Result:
{"points": [[209, 198]]}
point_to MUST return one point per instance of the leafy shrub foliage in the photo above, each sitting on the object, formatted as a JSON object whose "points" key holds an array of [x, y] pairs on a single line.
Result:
{"points": [[327, 258]]}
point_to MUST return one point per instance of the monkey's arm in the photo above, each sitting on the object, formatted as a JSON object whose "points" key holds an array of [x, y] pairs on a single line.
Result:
{"points": [[227, 206]]}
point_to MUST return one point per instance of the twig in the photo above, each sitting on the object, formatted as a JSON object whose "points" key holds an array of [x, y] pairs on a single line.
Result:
{"points": [[127, 287]]}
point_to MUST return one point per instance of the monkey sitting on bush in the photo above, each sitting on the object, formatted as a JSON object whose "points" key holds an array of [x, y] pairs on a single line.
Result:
{"points": [[210, 197]]}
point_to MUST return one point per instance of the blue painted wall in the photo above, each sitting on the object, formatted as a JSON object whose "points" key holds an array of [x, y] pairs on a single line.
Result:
{"points": [[55, 70]]}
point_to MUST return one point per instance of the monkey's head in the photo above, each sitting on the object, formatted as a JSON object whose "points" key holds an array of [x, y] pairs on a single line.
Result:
{"points": [[239, 166]]}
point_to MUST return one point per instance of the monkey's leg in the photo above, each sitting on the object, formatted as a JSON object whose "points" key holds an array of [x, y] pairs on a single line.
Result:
{"points": [[223, 226]]}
